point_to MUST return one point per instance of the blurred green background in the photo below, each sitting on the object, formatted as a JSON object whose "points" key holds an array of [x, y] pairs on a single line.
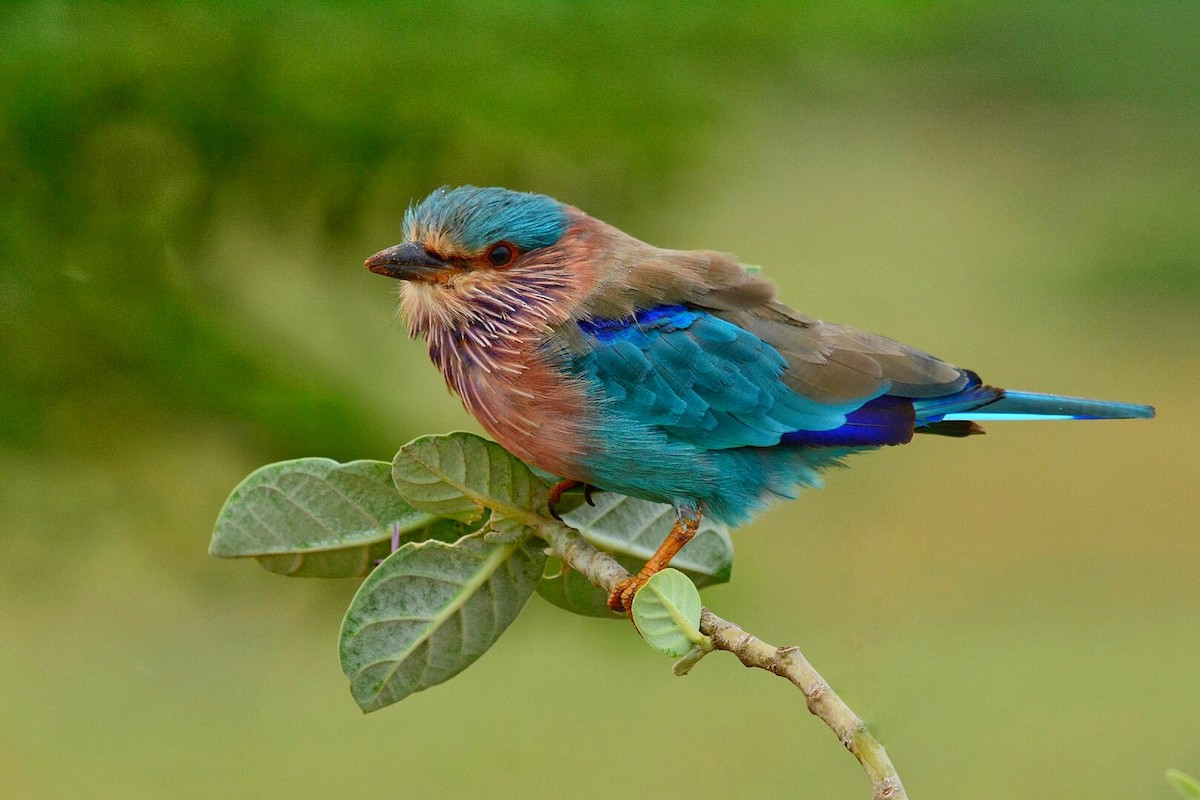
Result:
{"points": [[187, 192]]}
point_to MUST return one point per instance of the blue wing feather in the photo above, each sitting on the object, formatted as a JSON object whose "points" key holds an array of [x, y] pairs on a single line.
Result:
{"points": [[713, 384], [885, 420]]}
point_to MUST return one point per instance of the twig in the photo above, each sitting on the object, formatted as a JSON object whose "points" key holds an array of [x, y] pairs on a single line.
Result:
{"points": [[787, 662], [823, 701]]}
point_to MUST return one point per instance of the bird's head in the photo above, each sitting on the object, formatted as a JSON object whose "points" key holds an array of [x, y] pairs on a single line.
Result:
{"points": [[456, 231], [468, 250]]}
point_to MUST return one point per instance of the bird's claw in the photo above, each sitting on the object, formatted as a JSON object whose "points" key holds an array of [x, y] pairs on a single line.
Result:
{"points": [[621, 597], [555, 496], [562, 487]]}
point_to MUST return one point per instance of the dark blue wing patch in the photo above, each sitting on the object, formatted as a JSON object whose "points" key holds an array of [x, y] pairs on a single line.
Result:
{"points": [[885, 420]]}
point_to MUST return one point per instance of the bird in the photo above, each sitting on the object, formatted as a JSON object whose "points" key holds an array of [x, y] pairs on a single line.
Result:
{"points": [[674, 376]]}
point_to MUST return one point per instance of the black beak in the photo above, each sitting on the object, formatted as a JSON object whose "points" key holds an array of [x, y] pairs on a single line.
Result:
{"points": [[406, 262]]}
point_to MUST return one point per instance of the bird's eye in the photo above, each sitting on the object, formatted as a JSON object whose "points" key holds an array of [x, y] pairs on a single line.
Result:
{"points": [[501, 254]]}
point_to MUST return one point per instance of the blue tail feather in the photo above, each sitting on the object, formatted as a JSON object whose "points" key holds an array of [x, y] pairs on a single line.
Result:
{"points": [[978, 402], [1029, 405]]}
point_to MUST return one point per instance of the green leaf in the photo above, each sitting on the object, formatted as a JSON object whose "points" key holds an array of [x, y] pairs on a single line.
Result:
{"points": [[459, 474], [429, 611], [316, 517], [666, 612], [351, 562], [355, 562], [1185, 784], [632, 529]]}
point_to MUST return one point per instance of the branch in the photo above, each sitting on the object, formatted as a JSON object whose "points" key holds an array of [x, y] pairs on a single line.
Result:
{"points": [[787, 662], [822, 700]]}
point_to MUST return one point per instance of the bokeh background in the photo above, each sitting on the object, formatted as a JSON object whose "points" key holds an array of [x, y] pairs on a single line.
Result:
{"points": [[187, 192]]}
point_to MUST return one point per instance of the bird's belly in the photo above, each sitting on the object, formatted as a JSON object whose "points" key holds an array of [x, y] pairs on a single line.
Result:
{"points": [[730, 484]]}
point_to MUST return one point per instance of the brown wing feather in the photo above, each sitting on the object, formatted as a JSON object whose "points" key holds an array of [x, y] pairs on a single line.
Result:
{"points": [[834, 363]]}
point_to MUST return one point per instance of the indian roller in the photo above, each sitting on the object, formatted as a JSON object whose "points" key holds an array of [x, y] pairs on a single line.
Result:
{"points": [[670, 375]]}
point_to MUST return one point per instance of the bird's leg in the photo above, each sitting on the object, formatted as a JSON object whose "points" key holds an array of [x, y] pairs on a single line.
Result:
{"points": [[561, 488], [687, 520]]}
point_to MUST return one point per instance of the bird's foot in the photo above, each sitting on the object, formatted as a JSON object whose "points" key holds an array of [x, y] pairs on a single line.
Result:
{"points": [[621, 598], [562, 487], [687, 522]]}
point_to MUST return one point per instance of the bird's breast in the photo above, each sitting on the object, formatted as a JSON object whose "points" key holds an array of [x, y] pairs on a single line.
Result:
{"points": [[522, 397]]}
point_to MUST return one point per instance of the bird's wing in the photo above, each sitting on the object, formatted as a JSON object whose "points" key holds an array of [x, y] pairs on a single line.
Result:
{"points": [[834, 364], [720, 384], [825, 363]]}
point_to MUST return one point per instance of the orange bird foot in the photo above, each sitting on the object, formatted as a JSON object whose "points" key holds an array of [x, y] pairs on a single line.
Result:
{"points": [[621, 598], [687, 521]]}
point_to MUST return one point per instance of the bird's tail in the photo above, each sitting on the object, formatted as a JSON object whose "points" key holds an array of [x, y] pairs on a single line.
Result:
{"points": [[955, 414], [1030, 405]]}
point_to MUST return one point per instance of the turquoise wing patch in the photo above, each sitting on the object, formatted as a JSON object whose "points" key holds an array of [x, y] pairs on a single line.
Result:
{"points": [[701, 379]]}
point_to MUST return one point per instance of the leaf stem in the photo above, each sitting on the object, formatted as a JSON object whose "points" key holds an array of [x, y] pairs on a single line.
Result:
{"points": [[787, 662]]}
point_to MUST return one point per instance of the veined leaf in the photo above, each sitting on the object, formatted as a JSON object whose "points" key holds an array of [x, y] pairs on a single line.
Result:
{"points": [[459, 474], [666, 612], [429, 611], [632, 529], [316, 517], [355, 562]]}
